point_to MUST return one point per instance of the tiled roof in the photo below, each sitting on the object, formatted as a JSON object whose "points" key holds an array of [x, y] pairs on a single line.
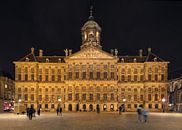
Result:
{"points": [[152, 57], [51, 59], [130, 59], [30, 57]]}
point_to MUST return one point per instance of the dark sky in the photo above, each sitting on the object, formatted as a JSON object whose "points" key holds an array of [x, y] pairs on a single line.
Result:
{"points": [[53, 25]]}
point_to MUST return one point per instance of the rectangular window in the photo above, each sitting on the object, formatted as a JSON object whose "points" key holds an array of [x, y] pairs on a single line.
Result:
{"points": [[69, 75], [112, 96], [135, 105], [135, 97], [149, 77], [156, 77], [83, 75], [46, 97], [19, 76], [122, 78], [40, 97], [52, 106], [59, 77], [135, 78], [129, 78], [98, 75], [105, 75], [129, 106], [26, 97], [162, 77], [32, 77], [77, 75], [46, 77], [32, 97], [98, 96], [91, 97], [91, 75], [77, 97], [83, 96], [26, 77], [46, 106], [149, 97], [141, 97], [112, 75], [141, 77], [156, 106], [150, 106], [53, 77], [40, 77], [70, 96], [105, 97]]}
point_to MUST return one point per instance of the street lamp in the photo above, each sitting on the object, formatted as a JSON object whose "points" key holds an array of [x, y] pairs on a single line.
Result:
{"points": [[163, 101], [124, 100], [19, 101], [59, 100]]}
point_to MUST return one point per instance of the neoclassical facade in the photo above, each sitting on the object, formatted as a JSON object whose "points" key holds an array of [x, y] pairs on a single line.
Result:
{"points": [[175, 94], [91, 77]]}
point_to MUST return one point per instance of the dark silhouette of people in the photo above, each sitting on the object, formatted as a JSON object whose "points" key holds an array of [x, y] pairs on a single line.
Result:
{"points": [[98, 110], [27, 110], [60, 111], [30, 112], [38, 111], [57, 110], [120, 110], [139, 112]]}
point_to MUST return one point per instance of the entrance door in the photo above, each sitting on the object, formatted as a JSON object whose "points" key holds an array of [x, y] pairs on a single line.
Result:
{"points": [[91, 107], [77, 107], [84, 107], [112, 107], [105, 107], [70, 107]]}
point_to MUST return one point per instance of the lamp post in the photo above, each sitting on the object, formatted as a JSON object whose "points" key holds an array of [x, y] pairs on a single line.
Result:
{"points": [[59, 100], [163, 102], [19, 101], [124, 100]]}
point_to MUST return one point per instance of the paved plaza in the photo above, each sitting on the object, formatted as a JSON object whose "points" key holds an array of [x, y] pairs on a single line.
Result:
{"points": [[91, 121]]}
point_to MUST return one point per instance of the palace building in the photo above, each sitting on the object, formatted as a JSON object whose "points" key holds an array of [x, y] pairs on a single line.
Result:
{"points": [[91, 77]]}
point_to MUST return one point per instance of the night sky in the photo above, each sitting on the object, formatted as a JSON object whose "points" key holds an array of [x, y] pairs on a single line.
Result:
{"points": [[53, 25]]}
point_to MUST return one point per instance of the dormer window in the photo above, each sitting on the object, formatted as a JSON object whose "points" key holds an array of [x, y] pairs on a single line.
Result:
{"points": [[134, 60], [59, 60], [155, 59], [122, 60], [47, 60], [27, 59]]}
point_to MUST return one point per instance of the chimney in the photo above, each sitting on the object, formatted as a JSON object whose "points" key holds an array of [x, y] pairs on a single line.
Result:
{"points": [[40, 52], [70, 52], [112, 51], [32, 50], [116, 52], [140, 52], [149, 50]]}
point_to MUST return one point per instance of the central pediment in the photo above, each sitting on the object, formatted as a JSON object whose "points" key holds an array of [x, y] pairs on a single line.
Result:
{"points": [[91, 53]]}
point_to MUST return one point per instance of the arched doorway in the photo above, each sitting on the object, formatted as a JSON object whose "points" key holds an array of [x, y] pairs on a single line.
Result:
{"points": [[91, 107], [84, 107], [77, 107], [111, 107], [70, 107], [105, 107]]}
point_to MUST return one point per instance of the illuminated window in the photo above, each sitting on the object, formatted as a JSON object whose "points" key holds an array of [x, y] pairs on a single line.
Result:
{"points": [[70, 96]]}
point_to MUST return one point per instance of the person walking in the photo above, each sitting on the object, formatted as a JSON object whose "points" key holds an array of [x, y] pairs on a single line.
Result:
{"points": [[57, 110], [27, 110], [139, 112], [60, 111], [120, 110], [145, 114], [30, 112], [38, 111]]}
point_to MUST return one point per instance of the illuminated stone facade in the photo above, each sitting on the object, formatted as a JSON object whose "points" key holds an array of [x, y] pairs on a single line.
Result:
{"points": [[7, 90], [175, 94], [91, 77]]}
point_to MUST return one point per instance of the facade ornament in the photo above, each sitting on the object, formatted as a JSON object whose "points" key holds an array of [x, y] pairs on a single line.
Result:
{"points": [[66, 52]]}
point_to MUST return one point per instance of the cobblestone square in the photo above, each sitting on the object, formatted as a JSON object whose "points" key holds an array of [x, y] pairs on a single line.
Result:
{"points": [[91, 121]]}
